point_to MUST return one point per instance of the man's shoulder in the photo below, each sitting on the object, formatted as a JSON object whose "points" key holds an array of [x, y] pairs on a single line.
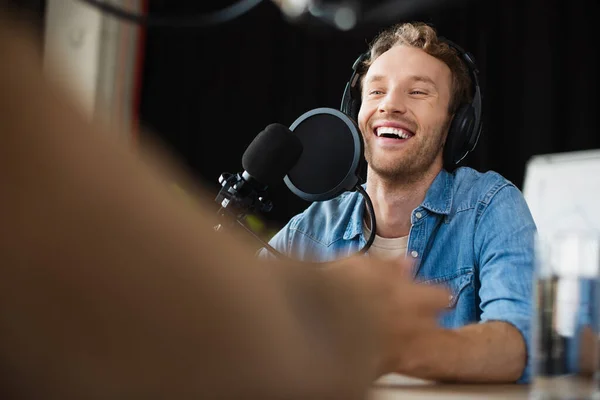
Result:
{"points": [[340, 207], [472, 187], [321, 224]]}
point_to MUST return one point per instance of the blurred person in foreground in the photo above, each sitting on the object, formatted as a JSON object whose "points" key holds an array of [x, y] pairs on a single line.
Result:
{"points": [[114, 287]]}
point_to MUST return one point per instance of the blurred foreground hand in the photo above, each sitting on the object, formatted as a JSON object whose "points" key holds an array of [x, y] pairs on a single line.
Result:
{"points": [[401, 309]]}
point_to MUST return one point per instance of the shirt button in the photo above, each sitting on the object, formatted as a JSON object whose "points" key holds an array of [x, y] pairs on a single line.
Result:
{"points": [[418, 215], [450, 297], [414, 254]]}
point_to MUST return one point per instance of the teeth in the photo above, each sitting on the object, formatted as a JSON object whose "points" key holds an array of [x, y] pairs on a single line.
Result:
{"points": [[402, 134]]}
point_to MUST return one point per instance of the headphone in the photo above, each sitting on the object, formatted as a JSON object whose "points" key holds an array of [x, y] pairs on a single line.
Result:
{"points": [[466, 125]]}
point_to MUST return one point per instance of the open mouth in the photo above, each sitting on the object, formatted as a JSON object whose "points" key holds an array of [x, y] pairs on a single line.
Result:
{"points": [[393, 133]]}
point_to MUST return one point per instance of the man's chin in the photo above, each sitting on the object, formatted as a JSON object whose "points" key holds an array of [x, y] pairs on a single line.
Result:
{"points": [[400, 172], [393, 172]]}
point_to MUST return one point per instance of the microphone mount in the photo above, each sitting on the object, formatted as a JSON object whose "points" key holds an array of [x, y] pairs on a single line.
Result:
{"points": [[240, 195], [243, 194]]}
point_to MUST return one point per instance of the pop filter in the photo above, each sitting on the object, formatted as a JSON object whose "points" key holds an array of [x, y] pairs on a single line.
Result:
{"points": [[330, 162]]}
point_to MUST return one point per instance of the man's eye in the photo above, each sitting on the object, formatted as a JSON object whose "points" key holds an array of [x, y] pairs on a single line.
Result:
{"points": [[375, 92], [418, 92]]}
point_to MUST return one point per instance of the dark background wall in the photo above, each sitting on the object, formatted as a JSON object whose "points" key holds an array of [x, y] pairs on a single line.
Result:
{"points": [[538, 60], [539, 72]]}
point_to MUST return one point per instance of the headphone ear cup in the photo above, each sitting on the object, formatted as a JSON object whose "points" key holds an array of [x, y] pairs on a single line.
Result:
{"points": [[459, 136], [355, 108], [350, 105]]}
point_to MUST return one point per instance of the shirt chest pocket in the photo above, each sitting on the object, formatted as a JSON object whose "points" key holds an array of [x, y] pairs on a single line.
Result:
{"points": [[458, 284]]}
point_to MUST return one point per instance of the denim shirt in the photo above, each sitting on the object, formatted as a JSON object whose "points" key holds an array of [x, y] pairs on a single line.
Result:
{"points": [[473, 233]]}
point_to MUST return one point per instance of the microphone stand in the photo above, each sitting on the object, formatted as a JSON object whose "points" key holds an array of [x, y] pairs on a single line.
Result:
{"points": [[238, 198]]}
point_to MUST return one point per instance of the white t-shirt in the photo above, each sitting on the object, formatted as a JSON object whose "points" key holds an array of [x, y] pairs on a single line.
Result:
{"points": [[387, 248]]}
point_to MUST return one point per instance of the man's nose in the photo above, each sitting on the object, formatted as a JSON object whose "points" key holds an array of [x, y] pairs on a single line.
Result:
{"points": [[392, 103]]}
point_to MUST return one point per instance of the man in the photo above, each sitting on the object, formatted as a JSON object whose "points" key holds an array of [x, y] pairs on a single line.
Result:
{"points": [[113, 287], [469, 231]]}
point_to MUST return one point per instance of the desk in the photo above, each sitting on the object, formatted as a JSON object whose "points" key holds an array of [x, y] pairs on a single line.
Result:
{"points": [[398, 387]]}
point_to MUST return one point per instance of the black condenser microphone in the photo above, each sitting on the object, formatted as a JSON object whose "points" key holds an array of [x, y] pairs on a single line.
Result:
{"points": [[266, 161]]}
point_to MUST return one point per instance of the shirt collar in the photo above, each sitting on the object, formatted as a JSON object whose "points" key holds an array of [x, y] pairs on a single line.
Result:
{"points": [[438, 200], [439, 196]]}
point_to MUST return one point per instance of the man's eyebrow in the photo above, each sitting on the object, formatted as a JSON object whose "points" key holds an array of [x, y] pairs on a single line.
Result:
{"points": [[416, 78], [374, 78], [423, 78]]}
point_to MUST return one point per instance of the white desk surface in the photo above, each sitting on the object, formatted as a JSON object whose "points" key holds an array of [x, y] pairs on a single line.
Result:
{"points": [[398, 387]]}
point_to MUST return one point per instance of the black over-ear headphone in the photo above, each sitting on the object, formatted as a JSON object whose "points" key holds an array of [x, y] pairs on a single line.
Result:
{"points": [[466, 126]]}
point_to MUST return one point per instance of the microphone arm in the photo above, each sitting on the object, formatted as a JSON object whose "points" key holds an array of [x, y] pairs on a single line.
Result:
{"points": [[224, 211], [235, 206], [219, 228]]}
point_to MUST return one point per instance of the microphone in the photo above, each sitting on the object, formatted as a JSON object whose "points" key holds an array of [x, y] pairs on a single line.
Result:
{"points": [[266, 161], [331, 161]]}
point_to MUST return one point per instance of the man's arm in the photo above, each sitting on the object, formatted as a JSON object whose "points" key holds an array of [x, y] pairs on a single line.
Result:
{"points": [[498, 348], [504, 241], [487, 352]]}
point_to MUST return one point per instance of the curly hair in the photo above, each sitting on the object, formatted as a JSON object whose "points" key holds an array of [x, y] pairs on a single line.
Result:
{"points": [[423, 36]]}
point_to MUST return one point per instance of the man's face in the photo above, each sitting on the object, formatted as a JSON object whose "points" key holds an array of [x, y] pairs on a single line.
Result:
{"points": [[404, 113]]}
